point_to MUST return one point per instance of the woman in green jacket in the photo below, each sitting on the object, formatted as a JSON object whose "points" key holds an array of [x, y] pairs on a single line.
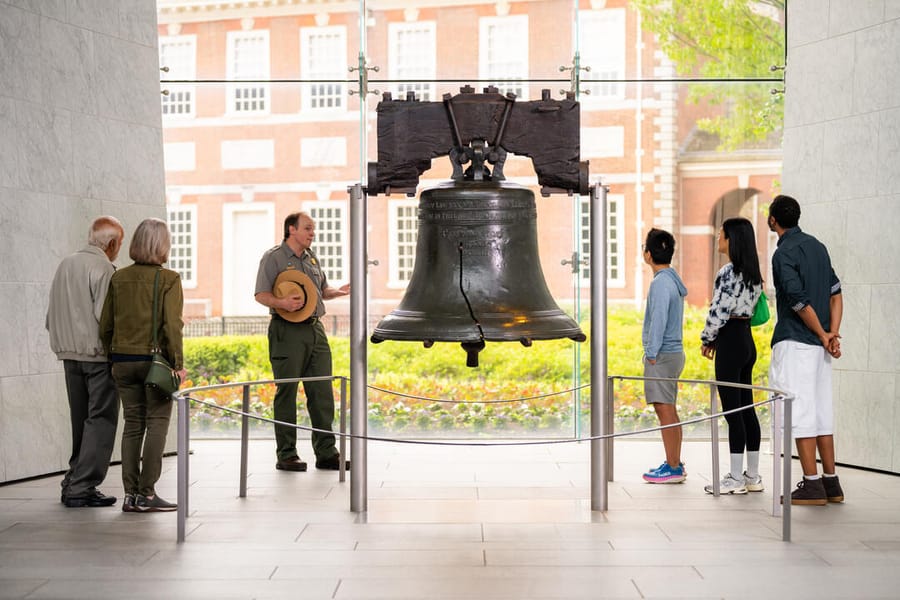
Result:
{"points": [[126, 331]]}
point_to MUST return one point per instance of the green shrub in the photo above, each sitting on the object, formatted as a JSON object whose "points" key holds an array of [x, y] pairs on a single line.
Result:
{"points": [[478, 400], [216, 359]]}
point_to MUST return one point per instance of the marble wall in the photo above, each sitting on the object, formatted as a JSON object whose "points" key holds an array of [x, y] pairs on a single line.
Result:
{"points": [[80, 136], [842, 162]]}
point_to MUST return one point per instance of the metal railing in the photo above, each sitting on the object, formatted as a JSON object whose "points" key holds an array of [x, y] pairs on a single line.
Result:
{"points": [[601, 469], [335, 325]]}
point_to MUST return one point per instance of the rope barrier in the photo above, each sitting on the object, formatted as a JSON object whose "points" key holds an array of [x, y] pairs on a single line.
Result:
{"points": [[184, 398], [479, 444], [505, 401]]}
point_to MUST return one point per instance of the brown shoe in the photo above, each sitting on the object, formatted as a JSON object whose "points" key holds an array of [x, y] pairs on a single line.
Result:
{"points": [[291, 464], [833, 490], [809, 492]]}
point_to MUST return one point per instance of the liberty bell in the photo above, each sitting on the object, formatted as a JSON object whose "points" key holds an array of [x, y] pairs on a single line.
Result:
{"points": [[477, 275]]}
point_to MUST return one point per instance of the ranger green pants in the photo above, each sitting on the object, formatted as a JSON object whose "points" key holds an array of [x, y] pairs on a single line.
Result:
{"points": [[301, 350]]}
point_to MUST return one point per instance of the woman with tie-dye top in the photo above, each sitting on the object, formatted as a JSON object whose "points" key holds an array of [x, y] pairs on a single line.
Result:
{"points": [[728, 340]]}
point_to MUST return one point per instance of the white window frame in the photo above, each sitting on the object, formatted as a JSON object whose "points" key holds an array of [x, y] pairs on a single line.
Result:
{"points": [[602, 48], [187, 282], [510, 71], [394, 206], [424, 68], [333, 274], [259, 72], [615, 236], [336, 69], [186, 70]]}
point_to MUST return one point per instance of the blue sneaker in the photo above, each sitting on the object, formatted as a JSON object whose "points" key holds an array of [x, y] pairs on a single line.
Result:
{"points": [[664, 464], [665, 474]]}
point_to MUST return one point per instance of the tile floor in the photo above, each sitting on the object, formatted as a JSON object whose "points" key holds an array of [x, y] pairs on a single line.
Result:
{"points": [[452, 523]]}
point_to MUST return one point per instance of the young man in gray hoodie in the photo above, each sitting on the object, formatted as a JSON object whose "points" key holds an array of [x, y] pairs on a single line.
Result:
{"points": [[663, 350], [73, 317]]}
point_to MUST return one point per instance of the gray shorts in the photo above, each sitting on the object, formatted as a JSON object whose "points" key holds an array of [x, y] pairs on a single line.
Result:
{"points": [[668, 364]]}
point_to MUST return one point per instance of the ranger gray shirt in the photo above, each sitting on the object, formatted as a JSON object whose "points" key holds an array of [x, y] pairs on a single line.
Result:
{"points": [[280, 258]]}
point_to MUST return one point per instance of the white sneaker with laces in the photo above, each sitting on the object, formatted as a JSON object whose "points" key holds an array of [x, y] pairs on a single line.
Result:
{"points": [[753, 484], [728, 485]]}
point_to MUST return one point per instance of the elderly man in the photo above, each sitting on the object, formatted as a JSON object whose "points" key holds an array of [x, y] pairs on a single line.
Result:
{"points": [[76, 301]]}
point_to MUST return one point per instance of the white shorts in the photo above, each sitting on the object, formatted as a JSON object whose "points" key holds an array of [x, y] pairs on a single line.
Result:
{"points": [[805, 371]]}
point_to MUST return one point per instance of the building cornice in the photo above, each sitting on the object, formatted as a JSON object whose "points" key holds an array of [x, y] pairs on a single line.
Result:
{"points": [[188, 11]]}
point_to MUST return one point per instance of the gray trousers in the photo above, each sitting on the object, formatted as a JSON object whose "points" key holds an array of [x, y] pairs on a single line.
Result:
{"points": [[94, 411]]}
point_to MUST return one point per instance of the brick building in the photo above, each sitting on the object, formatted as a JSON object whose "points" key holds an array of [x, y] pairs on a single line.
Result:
{"points": [[270, 121]]}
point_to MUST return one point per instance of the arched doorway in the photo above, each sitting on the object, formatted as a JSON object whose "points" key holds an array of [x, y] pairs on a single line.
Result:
{"points": [[740, 203]]}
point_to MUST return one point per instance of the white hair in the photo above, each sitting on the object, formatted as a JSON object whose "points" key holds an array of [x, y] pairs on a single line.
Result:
{"points": [[104, 230]]}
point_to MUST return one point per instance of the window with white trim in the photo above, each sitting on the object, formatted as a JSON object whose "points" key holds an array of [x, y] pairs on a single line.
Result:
{"points": [[323, 57], [182, 221], [403, 234], [412, 51], [503, 53], [179, 54], [248, 59], [615, 255], [329, 244], [602, 41]]}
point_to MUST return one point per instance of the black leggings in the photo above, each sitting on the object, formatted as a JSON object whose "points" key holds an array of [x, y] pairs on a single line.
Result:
{"points": [[735, 357]]}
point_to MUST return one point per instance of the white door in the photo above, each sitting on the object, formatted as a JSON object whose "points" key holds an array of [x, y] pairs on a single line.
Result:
{"points": [[248, 232]]}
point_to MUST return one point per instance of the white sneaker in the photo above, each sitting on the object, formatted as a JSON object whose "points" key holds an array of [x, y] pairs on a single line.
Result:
{"points": [[728, 485], [753, 484]]}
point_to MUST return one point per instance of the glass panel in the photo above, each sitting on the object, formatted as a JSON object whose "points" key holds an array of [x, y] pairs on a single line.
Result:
{"points": [[284, 134]]}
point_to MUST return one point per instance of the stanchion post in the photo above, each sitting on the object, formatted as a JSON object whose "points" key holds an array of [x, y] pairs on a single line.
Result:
{"points": [[786, 475], [599, 410], [183, 476], [358, 350], [714, 436], [342, 443], [777, 412], [245, 438], [611, 421]]}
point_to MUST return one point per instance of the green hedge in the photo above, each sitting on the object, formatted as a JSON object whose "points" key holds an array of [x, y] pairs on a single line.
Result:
{"points": [[507, 371]]}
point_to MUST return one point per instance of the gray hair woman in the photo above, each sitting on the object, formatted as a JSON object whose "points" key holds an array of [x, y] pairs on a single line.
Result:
{"points": [[126, 331]]}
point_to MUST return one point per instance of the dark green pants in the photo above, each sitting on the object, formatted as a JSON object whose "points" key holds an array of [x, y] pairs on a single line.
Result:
{"points": [[147, 413], [301, 350]]}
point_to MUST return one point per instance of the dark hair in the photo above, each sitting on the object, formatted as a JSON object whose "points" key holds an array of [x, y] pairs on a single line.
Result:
{"points": [[742, 249], [786, 211], [661, 246], [291, 221]]}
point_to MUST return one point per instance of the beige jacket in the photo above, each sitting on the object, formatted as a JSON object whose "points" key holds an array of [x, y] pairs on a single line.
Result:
{"points": [[76, 301]]}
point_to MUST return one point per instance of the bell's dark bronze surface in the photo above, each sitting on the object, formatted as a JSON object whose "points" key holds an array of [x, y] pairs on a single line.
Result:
{"points": [[477, 275]]}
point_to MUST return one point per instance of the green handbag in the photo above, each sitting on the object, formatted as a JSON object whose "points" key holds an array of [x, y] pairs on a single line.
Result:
{"points": [[761, 311], [161, 374]]}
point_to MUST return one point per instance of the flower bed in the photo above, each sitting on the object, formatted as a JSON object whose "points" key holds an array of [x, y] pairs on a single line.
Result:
{"points": [[478, 399]]}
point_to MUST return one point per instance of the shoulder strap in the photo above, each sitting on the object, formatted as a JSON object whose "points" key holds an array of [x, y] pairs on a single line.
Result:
{"points": [[155, 347]]}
